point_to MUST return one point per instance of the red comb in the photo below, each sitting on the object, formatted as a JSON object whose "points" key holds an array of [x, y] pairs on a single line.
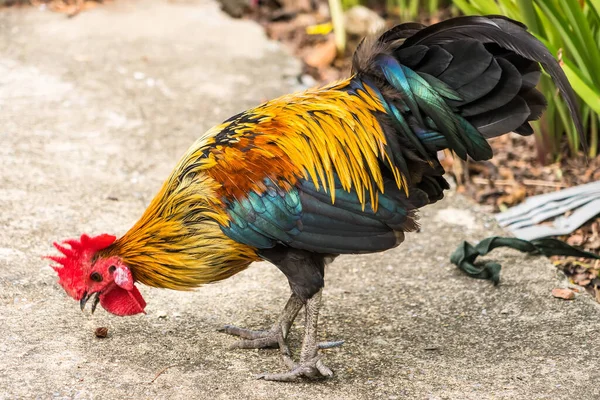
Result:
{"points": [[79, 253]]}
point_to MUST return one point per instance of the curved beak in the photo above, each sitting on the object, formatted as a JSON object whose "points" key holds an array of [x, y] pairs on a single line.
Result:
{"points": [[85, 299]]}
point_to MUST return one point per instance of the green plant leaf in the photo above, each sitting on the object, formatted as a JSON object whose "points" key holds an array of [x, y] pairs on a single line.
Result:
{"points": [[466, 7], [582, 87]]}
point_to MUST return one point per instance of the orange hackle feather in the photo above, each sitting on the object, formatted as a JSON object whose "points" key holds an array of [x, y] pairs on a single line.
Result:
{"points": [[311, 135], [178, 243]]}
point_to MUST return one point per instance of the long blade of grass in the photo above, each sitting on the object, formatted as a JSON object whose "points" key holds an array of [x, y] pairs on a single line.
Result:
{"points": [[465, 7], [582, 87], [413, 9], [434, 5], [337, 19], [486, 6], [402, 10], [582, 29], [593, 136], [528, 15], [595, 9], [557, 19], [509, 8], [565, 117]]}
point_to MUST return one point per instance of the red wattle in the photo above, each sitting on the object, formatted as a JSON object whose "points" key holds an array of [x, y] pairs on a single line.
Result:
{"points": [[123, 302]]}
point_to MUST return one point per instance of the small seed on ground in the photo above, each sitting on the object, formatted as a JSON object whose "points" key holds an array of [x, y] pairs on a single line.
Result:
{"points": [[101, 332]]}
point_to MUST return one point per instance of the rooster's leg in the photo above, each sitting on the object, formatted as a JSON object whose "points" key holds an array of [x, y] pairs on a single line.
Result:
{"points": [[268, 338], [310, 365]]}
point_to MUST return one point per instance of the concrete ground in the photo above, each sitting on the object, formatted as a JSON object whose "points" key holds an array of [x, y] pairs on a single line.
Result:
{"points": [[94, 113]]}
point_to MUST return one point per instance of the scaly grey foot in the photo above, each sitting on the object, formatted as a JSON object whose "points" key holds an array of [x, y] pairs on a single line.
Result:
{"points": [[254, 339], [261, 339], [310, 366], [274, 337], [311, 369]]}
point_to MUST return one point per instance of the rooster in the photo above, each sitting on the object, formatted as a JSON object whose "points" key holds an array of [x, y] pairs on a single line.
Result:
{"points": [[340, 169]]}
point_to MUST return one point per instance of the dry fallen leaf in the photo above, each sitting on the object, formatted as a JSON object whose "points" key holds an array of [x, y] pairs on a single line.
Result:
{"points": [[575, 240], [517, 194], [322, 55], [580, 277], [565, 294]]}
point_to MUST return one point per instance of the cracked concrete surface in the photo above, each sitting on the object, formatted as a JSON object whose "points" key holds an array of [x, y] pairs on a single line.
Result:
{"points": [[94, 113]]}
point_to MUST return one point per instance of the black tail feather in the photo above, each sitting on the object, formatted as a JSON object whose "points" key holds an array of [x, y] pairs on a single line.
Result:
{"points": [[507, 88], [435, 61], [454, 85], [502, 120], [508, 34]]}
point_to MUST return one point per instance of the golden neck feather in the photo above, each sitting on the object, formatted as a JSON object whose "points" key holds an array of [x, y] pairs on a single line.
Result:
{"points": [[178, 243]]}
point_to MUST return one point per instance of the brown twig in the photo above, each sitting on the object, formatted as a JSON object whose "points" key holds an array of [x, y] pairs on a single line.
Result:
{"points": [[526, 182], [535, 182], [163, 370]]}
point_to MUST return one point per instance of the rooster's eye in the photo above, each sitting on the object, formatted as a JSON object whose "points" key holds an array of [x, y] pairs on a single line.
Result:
{"points": [[96, 277]]}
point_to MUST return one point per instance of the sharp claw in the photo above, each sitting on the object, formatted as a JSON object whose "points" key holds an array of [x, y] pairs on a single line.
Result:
{"points": [[324, 369]]}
